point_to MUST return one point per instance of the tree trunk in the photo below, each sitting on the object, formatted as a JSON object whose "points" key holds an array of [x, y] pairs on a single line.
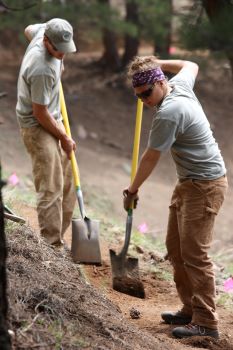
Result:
{"points": [[5, 341], [110, 58], [131, 42], [163, 47], [220, 12]]}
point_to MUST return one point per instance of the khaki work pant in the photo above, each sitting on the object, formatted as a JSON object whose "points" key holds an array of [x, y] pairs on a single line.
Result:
{"points": [[194, 206], [53, 182]]}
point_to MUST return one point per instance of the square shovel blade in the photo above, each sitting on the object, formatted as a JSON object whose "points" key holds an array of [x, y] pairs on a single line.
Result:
{"points": [[85, 247]]}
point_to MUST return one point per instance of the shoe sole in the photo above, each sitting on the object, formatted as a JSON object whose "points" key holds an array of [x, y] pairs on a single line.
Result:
{"points": [[195, 335], [171, 320]]}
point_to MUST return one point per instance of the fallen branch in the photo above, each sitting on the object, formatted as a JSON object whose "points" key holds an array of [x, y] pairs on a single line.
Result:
{"points": [[14, 218], [17, 8], [30, 325]]}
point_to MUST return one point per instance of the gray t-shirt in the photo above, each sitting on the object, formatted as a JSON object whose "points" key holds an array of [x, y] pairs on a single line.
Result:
{"points": [[39, 80], [180, 125]]}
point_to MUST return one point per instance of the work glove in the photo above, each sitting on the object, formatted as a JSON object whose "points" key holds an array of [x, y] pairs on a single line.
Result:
{"points": [[128, 198]]}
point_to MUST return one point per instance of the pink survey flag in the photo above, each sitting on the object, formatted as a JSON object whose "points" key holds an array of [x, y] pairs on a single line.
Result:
{"points": [[143, 228], [228, 285], [13, 179]]}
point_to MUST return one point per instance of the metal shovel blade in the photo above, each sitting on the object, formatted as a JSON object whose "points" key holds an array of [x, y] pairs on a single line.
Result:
{"points": [[85, 246], [125, 271], [125, 274]]}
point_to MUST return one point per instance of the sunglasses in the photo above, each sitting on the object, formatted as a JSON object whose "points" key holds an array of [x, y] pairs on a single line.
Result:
{"points": [[145, 94]]}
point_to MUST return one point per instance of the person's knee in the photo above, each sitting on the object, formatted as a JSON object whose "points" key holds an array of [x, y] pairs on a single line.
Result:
{"points": [[196, 259]]}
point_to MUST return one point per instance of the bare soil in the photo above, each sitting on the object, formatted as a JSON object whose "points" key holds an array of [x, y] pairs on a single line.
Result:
{"points": [[46, 288]]}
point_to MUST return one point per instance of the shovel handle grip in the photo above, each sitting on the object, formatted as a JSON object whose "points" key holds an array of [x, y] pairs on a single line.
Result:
{"points": [[68, 132]]}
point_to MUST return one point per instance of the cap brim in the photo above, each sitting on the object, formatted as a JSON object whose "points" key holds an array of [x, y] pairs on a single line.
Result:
{"points": [[66, 47]]}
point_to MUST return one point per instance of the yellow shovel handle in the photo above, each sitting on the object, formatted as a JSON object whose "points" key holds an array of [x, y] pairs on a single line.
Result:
{"points": [[136, 139], [67, 128], [136, 145]]}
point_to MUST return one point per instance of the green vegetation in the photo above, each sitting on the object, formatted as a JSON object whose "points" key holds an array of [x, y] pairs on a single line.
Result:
{"points": [[21, 194], [226, 300], [197, 31], [160, 273], [128, 24]]}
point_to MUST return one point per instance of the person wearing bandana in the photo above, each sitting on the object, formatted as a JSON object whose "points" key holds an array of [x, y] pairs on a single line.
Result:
{"points": [[181, 126]]}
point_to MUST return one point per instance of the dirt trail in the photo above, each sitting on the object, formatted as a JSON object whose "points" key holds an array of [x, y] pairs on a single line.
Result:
{"points": [[160, 295]]}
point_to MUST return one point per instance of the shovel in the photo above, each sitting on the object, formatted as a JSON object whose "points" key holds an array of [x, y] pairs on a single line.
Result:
{"points": [[85, 246], [125, 271], [8, 214]]}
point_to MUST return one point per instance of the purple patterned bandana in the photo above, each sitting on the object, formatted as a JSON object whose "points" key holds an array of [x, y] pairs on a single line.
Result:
{"points": [[147, 77]]}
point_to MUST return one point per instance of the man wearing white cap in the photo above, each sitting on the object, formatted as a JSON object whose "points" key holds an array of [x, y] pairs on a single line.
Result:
{"points": [[40, 120]]}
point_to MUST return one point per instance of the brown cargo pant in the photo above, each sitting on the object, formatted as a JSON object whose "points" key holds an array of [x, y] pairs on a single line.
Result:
{"points": [[53, 182], [194, 206]]}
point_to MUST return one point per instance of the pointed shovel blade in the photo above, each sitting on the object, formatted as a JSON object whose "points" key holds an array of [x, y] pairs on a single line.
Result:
{"points": [[125, 273]]}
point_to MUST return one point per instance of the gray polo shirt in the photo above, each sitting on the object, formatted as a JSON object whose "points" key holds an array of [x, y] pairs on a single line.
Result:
{"points": [[180, 125], [39, 80]]}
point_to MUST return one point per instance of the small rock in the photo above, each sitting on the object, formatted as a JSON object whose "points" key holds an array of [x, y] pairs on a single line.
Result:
{"points": [[134, 313], [82, 298], [11, 333], [93, 135], [156, 257], [82, 133], [139, 249]]}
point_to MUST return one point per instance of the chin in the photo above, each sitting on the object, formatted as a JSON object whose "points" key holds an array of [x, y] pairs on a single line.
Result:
{"points": [[148, 104]]}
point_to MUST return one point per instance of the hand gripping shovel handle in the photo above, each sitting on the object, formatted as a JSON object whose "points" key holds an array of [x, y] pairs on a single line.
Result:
{"points": [[134, 165], [73, 159]]}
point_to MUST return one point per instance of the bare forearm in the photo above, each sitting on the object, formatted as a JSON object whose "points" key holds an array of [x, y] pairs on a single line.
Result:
{"points": [[174, 66], [54, 128], [51, 125], [145, 168]]}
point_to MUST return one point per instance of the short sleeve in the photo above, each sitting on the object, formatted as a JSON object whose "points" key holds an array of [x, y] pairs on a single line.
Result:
{"points": [[41, 88], [163, 134], [34, 29], [185, 76]]}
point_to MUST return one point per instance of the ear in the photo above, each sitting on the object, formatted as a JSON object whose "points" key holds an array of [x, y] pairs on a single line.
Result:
{"points": [[46, 41]]}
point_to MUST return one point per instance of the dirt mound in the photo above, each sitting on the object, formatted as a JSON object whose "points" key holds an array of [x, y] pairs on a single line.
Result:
{"points": [[53, 307]]}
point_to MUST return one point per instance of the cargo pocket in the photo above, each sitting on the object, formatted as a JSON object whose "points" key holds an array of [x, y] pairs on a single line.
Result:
{"points": [[173, 204], [210, 210], [215, 201]]}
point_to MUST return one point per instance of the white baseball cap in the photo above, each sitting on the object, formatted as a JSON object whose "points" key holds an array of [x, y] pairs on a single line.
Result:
{"points": [[60, 33]]}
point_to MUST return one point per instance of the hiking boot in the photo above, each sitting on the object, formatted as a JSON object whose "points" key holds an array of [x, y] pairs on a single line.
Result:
{"points": [[178, 317], [191, 330]]}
